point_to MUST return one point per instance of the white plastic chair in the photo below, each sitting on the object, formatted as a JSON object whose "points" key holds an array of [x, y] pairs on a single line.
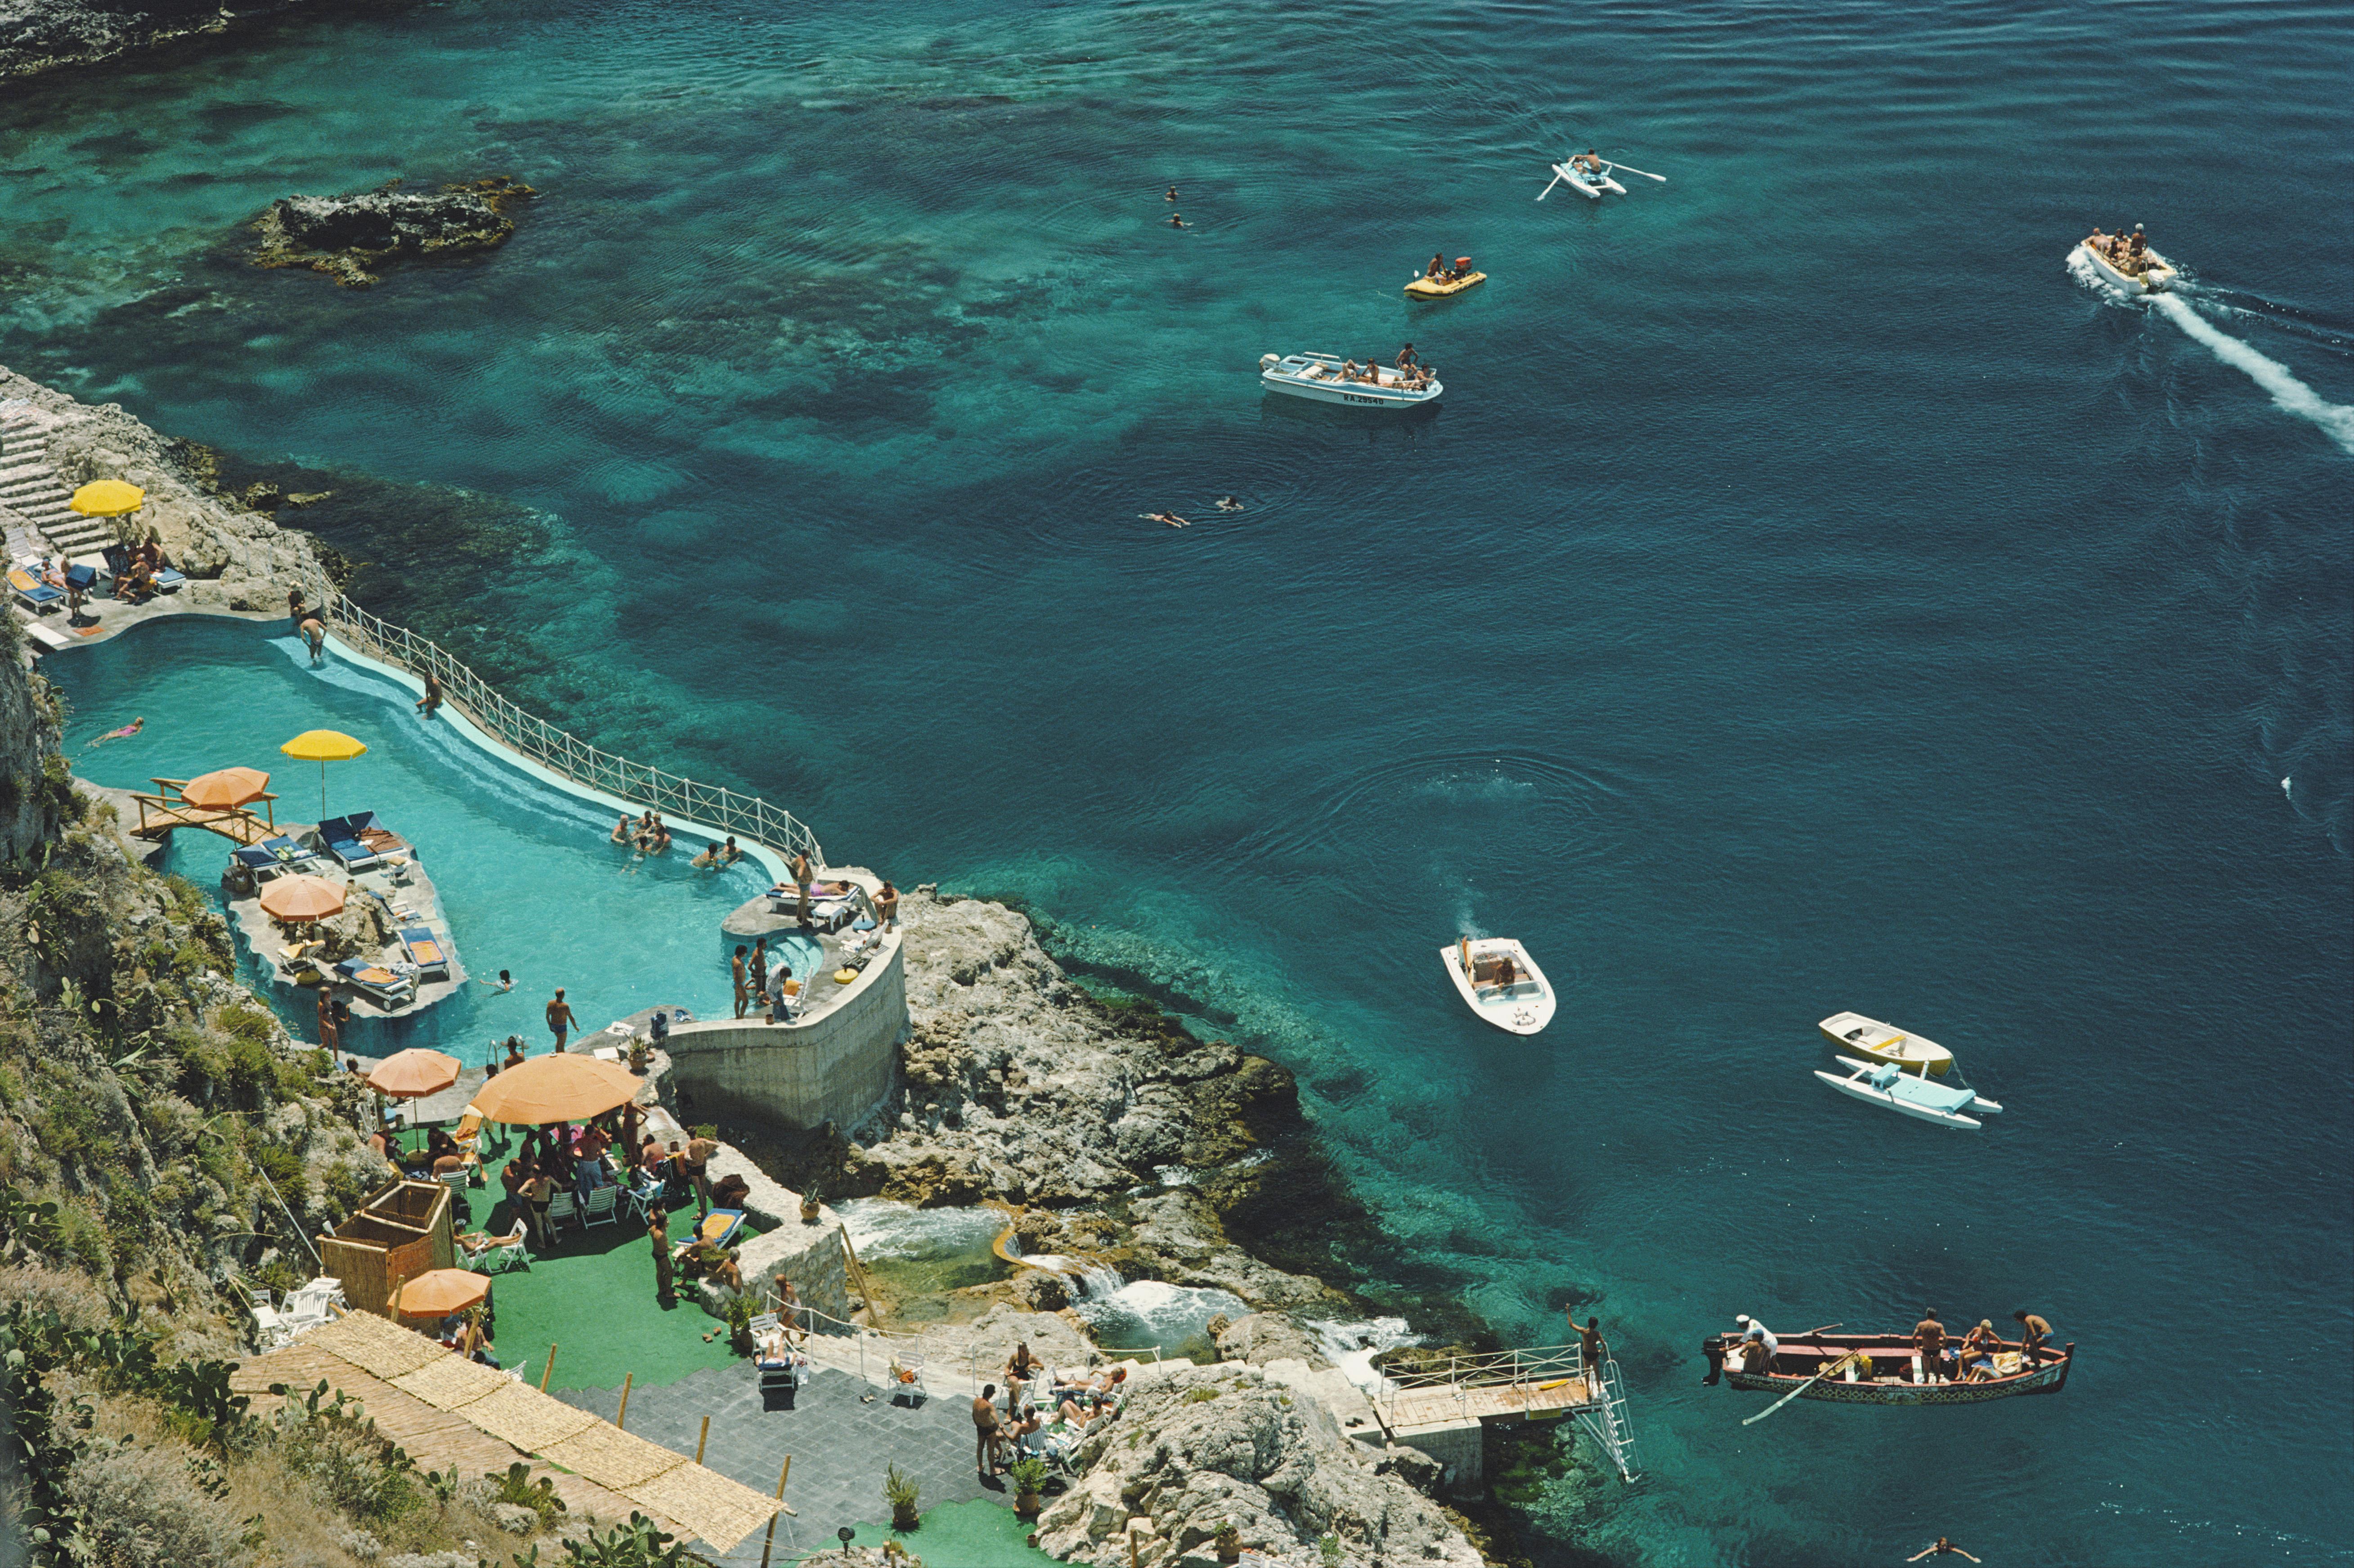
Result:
{"points": [[560, 1208], [603, 1207], [500, 1254]]}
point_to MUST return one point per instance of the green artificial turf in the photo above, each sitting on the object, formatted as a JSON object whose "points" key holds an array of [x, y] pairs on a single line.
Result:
{"points": [[593, 1299], [976, 1534]]}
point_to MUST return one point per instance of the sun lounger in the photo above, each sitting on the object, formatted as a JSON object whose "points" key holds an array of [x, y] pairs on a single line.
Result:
{"points": [[168, 580], [387, 988], [341, 836], [274, 857], [425, 950], [31, 592], [719, 1227]]}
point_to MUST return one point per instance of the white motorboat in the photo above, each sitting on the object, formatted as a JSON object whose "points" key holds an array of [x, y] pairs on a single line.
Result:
{"points": [[2155, 271], [1326, 378], [1881, 1042], [1910, 1093], [1500, 981]]}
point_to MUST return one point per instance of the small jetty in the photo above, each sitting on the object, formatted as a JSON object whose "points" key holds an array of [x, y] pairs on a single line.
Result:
{"points": [[379, 939], [169, 807], [1444, 1408]]}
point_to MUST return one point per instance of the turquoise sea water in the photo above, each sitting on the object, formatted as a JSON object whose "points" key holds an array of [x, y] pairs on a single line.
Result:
{"points": [[525, 874], [1809, 597]]}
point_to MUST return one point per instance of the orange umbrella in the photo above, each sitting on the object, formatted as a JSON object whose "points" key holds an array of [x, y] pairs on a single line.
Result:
{"points": [[229, 786], [303, 898], [561, 1088], [406, 1075], [438, 1292]]}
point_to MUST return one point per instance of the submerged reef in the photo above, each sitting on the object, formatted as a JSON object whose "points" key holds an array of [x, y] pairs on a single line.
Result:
{"points": [[345, 236]]}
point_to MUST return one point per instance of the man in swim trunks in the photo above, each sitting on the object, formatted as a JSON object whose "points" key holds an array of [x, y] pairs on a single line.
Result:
{"points": [[1586, 162], [1929, 1342], [559, 1017], [984, 1431], [2032, 1333], [1437, 266]]}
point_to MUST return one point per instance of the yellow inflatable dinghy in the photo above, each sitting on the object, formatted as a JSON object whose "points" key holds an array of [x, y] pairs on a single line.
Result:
{"points": [[1426, 286]]}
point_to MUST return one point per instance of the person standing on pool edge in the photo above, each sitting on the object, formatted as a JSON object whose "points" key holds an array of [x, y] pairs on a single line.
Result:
{"points": [[559, 1018]]}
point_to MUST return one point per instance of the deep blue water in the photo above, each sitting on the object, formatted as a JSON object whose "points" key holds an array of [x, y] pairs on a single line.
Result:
{"points": [[1810, 596]]}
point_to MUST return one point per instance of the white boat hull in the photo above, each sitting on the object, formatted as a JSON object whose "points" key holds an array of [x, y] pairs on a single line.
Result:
{"points": [[1858, 1087], [1524, 1008], [1316, 376], [2150, 283], [1590, 186]]}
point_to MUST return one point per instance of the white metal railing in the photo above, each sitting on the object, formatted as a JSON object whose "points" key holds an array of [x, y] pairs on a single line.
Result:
{"points": [[747, 816], [1602, 1418]]}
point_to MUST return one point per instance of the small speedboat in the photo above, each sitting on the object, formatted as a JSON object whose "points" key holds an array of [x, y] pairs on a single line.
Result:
{"points": [[2155, 273], [1909, 1094], [1870, 1037], [1319, 377], [1499, 981], [1442, 285]]}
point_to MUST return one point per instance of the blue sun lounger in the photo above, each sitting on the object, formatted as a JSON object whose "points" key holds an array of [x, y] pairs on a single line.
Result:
{"points": [[342, 837], [273, 857], [426, 951]]}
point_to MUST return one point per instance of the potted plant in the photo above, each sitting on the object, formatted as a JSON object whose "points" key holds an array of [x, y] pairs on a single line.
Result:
{"points": [[1229, 1542], [900, 1493], [810, 1200], [740, 1324], [639, 1050], [1029, 1473]]}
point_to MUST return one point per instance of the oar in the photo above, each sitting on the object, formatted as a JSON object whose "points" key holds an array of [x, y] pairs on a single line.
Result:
{"points": [[1645, 173], [1828, 1368], [1549, 185]]}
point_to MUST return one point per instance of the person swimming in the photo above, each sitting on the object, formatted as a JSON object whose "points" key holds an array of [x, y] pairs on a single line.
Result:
{"points": [[1171, 196], [125, 733], [1177, 220], [1169, 517], [1228, 504]]}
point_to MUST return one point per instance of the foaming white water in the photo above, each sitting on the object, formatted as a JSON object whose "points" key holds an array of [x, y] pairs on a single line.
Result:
{"points": [[880, 1228], [1169, 1313], [2335, 419], [1351, 1347]]}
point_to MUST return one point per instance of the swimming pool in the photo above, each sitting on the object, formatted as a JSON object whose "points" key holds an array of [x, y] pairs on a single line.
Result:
{"points": [[525, 872]]}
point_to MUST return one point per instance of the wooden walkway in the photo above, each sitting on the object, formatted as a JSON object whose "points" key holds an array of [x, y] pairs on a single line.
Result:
{"points": [[169, 811], [1458, 1404], [436, 1439]]}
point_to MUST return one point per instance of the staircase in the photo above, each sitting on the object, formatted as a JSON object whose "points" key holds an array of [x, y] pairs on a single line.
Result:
{"points": [[31, 489]]}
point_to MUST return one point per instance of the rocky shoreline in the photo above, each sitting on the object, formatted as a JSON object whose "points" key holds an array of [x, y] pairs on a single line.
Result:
{"points": [[48, 35]]}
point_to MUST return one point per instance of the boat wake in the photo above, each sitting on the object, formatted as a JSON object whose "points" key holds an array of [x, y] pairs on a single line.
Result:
{"points": [[2288, 393]]}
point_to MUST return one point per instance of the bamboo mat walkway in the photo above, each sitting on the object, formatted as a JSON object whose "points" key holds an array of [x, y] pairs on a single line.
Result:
{"points": [[449, 1411]]}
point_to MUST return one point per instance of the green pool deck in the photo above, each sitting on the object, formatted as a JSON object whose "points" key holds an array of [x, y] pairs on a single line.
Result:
{"points": [[593, 1299], [975, 1534]]}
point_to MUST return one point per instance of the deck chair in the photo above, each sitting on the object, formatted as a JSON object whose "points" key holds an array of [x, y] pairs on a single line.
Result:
{"points": [[31, 592], [907, 1374], [169, 579], [342, 837], [603, 1207], [720, 1227], [456, 1181], [426, 951], [560, 1208], [498, 1253]]}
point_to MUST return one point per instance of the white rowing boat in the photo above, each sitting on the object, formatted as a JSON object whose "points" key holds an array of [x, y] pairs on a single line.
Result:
{"points": [[1500, 983], [1592, 183], [2155, 274], [1881, 1042], [1908, 1094], [1319, 377]]}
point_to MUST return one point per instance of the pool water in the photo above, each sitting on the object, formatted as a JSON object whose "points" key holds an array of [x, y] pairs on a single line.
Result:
{"points": [[527, 876]]}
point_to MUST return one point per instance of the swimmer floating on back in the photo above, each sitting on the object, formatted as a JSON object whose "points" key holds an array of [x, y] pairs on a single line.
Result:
{"points": [[1169, 517]]}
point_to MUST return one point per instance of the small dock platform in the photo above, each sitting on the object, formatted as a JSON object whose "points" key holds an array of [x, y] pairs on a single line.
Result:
{"points": [[405, 898], [1444, 1410]]}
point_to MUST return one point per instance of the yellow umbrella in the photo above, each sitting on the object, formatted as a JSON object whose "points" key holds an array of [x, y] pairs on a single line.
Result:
{"points": [[326, 746], [438, 1292], [559, 1088], [302, 898], [229, 786], [108, 498]]}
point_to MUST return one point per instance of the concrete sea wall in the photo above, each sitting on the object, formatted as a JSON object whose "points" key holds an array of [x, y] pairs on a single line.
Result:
{"points": [[837, 1066]]}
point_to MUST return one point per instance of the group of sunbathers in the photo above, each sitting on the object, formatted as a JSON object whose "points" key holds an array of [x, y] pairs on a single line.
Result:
{"points": [[138, 582], [2129, 253], [1412, 375]]}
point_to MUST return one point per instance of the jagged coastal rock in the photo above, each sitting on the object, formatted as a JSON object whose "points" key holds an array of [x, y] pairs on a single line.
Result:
{"points": [[346, 235], [1198, 1451], [41, 34]]}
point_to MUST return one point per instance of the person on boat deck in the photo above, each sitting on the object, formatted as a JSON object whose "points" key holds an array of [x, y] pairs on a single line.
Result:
{"points": [[2139, 243], [1751, 1329], [2032, 1333], [1405, 359], [1978, 1346], [1587, 161], [1929, 1340], [1505, 974], [1438, 268]]}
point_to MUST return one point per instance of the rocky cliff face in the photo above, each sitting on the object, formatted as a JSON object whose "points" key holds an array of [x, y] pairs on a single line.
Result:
{"points": [[1197, 1452], [239, 558], [45, 35]]}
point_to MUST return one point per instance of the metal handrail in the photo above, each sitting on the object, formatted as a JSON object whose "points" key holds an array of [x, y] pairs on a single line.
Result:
{"points": [[747, 816]]}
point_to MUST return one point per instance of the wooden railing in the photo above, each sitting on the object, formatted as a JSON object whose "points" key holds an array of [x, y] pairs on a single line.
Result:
{"points": [[746, 816]]}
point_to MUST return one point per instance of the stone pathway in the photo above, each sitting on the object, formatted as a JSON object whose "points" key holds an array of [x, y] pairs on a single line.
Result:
{"points": [[840, 1447]]}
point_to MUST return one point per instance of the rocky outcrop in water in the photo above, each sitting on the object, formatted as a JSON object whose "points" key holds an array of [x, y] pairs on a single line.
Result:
{"points": [[41, 34], [1198, 1451], [346, 235]]}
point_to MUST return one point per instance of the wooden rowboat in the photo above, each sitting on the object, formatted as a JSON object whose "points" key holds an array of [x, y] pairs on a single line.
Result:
{"points": [[1884, 1043], [1892, 1378]]}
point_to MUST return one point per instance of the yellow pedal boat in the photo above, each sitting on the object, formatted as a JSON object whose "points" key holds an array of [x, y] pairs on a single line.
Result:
{"points": [[1426, 287], [1870, 1038]]}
